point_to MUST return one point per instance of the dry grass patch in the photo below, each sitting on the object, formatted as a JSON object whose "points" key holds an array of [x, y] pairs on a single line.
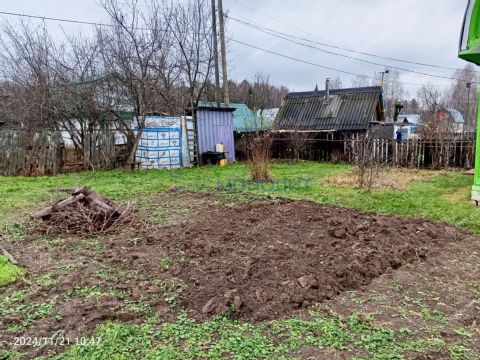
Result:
{"points": [[388, 178], [459, 196]]}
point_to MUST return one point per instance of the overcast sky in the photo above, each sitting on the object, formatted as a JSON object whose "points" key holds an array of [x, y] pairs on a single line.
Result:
{"points": [[424, 31]]}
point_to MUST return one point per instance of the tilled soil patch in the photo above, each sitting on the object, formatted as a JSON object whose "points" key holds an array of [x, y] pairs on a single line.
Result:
{"points": [[260, 261], [257, 260]]}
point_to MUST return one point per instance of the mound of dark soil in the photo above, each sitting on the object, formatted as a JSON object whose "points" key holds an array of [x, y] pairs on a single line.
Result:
{"points": [[265, 260]]}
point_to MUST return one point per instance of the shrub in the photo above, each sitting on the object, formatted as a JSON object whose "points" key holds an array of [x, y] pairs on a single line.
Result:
{"points": [[258, 154]]}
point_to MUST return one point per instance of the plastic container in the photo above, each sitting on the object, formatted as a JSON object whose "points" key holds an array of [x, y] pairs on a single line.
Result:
{"points": [[219, 148]]}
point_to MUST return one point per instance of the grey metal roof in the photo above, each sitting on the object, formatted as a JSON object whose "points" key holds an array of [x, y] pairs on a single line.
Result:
{"points": [[456, 116], [413, 119], [348, 110]]}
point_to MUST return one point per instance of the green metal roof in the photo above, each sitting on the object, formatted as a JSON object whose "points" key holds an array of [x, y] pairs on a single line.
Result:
{"points": [[244, 119]]}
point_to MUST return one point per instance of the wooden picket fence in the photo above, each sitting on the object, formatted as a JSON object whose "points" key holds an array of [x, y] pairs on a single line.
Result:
{"points": [[44, 153], [419, 153], [37, 154], [12, 152], [99, 151]]}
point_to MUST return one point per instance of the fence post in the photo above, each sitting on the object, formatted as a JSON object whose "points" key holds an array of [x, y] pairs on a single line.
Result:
{"points": [[2, 152], [12, 166]]}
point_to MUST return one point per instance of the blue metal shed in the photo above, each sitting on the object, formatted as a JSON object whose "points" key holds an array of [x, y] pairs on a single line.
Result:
{"points": [[215, 126]]}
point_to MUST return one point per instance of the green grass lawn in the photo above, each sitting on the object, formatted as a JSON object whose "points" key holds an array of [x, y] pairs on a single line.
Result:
{"points": [[444, 197]]}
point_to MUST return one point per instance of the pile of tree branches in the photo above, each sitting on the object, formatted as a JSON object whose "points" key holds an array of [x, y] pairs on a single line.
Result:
{"points": [[85, 213]]}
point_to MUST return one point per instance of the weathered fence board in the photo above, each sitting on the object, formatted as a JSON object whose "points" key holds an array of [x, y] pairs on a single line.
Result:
{"points": [[100, 151], [43, 153], [43, 156], [10, 154]]}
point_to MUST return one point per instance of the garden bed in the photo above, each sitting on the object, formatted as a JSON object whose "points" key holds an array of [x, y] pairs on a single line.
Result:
{"points": [[255, 260]]}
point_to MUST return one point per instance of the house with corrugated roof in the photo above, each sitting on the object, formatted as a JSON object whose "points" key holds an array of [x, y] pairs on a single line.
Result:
{"points": [[456, 118], [335, 111]]}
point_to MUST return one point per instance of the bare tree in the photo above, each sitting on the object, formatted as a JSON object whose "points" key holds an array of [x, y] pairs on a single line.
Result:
{"points": [[153, 60], [299, 139], [367, 166], [462, 94], [50, 84], [436, 127], [437, 130], [190, 26], [77, 89], [28, 67], [360, 81], [430, 98], [336, 83], [15, 111], [135, 52], [392, 90], [260, 93], [241, 92]]}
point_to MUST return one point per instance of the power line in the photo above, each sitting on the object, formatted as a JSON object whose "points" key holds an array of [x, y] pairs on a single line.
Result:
{"points": [[319, 65], [55, 19], [338, 47], [231, 39], [266, 31], [281, 22], [83, 22]]}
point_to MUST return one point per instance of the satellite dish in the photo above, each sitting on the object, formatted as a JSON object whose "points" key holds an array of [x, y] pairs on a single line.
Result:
{"points": [[470, 36]]}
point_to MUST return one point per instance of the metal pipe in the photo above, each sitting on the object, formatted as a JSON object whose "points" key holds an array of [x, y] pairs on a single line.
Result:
{"points": [[327, 90]]}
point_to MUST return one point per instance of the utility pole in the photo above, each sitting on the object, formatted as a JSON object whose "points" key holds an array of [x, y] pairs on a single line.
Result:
{"points": [[226, 95], [383, 76], [215, 53]]}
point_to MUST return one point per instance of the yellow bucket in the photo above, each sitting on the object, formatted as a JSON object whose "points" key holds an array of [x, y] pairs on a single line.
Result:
{"points": [[223, 162]]}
